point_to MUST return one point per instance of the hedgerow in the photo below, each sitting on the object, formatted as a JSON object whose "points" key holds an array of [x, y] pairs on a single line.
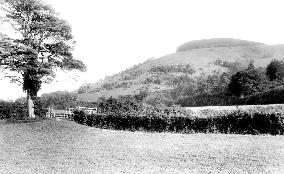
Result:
{"points": [[13, 110], [174, 119], [19, 110]]}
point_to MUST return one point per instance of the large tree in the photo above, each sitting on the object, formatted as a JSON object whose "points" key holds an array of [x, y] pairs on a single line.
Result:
{"points": [[247, 82], [43, 43], [275, 70]]}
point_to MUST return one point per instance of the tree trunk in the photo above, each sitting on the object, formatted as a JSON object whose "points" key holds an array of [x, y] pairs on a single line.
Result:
{"points": [[30, 103]]}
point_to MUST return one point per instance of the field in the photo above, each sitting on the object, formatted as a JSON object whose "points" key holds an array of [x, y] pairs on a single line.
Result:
{"points": [[218, 108], [201, 111], [51, 146]]}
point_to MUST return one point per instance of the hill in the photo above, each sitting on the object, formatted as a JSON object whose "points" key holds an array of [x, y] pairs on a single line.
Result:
{"points": [[216, 42], [192, 59], [51, 146]]}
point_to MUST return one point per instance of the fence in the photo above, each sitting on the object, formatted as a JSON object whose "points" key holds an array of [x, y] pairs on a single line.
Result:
{"points": [[60, 114]]}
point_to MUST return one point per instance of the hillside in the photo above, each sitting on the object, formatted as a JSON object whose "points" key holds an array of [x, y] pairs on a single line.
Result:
{"points": [[216, 42], [192, 59], [51, 146]]}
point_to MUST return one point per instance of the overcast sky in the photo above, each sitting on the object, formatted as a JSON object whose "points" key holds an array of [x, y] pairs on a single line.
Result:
{"points": [[112, 35]]}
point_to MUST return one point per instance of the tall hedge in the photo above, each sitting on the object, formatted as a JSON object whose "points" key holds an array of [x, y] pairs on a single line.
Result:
{"points": [[18, 110], [178, 120], [13, 110]]}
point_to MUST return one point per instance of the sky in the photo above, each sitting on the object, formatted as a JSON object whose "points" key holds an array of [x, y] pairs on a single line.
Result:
{"points": [[113, 35]]}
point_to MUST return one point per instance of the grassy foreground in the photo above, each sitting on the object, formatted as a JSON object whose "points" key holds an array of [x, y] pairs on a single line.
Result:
{"points": [[50, 146]]}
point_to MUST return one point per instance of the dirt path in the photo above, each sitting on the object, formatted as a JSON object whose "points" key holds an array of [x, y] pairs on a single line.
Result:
{"points": [[65, 147]]}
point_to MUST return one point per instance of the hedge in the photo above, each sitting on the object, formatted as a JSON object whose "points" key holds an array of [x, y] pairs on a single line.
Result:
{"points": [[12, 110], [237, 122], [18, 110]]}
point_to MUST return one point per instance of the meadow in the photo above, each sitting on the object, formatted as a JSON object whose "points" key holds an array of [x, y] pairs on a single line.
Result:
{"points": [[145, 139], [50, 146]]}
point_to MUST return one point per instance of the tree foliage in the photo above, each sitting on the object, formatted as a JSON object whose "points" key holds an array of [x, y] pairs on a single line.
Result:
{"points": [[59, 100], [275, 70], [124, 104], [44, 43], [188, 69], [231, 66], [84, 89], [247, 82]]}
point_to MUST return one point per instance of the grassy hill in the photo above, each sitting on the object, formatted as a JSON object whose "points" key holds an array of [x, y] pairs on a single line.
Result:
{"points": [[50, 146], [216, 42], [158, 73]]}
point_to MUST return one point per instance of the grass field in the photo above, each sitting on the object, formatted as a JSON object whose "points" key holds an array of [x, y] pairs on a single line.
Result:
{"points": [[228, 108], [51, 146]]}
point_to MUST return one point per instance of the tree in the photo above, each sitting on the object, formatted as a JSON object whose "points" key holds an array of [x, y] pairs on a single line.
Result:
{"points": [[59, 99], [251, 65], [223, 83], [44, 44], [141, 95], [208, 84], [247, 82], [275, 70], [84, 89], [159, 97]]}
